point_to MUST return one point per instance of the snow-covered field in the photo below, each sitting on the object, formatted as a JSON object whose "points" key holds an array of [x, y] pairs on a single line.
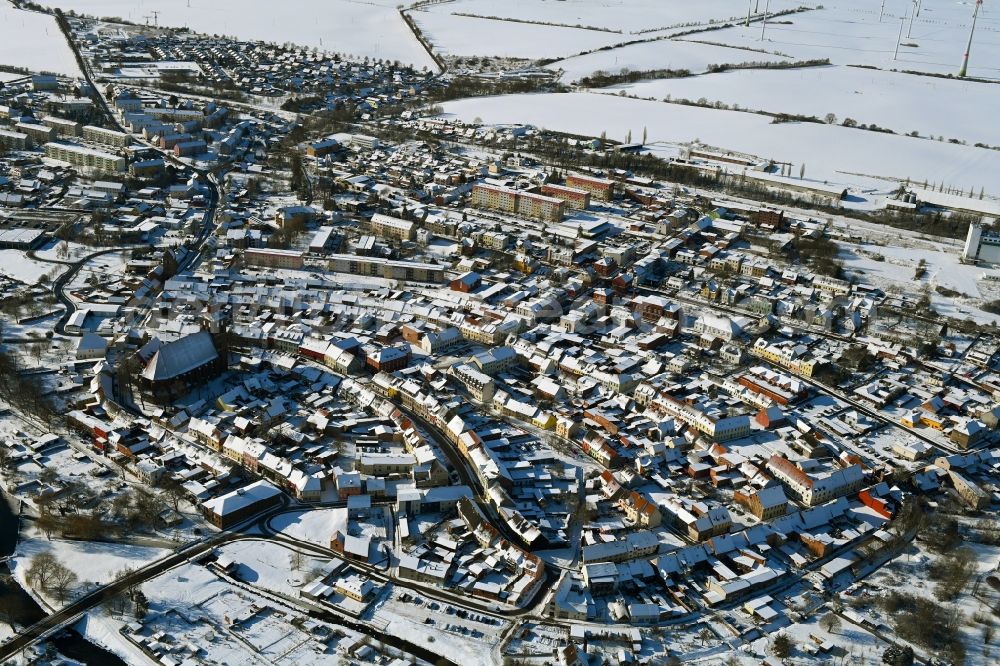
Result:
{"points": [[849, 32], [901, 102], [270, 566], [92, 562], [15, 264], [833, 153], [33, 41], [373, 29], [673, 54], [466, 36], [894, 265], [943, 268], [515, 29], [625, 16]]}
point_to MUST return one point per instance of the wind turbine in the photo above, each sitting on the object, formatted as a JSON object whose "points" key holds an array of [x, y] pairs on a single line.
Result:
{"points": [[965, 60]]}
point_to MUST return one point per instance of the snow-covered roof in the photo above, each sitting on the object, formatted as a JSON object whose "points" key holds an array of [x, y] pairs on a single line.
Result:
{"points": [[180, 356]]}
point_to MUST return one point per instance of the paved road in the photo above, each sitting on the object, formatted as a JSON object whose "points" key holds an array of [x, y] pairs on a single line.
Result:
{"points": [[60, 283]]}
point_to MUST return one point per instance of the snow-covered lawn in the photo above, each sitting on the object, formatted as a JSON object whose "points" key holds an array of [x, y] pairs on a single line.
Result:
{"points": [[15, 264], [373, 28], [33, 41], [901, 102], [312, 526], [831, 153], [900, 263], [93, 563], [74, 250], [270, 566]]}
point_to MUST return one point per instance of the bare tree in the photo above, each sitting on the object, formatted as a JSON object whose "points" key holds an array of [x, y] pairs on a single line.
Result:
{"points": [[297, 560], [41, 569], [830, 622], [62, 580]]}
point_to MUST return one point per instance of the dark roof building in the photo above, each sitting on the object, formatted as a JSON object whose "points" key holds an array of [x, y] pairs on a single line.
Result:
{"points": [[173, 368]]}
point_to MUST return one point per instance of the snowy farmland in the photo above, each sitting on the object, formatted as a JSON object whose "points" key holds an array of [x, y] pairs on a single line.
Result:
{"points": [[901, 102], [468, 36], [33, 41], [535, 29], [850, 32], [672, 54], [625, 17], [831, 153], [370, 29]]}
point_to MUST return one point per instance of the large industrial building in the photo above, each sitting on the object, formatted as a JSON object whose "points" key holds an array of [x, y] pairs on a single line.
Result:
{"points": [[982, 246]]}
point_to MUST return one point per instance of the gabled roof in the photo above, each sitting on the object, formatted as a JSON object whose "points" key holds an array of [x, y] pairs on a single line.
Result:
{"points": [[175, 358]]}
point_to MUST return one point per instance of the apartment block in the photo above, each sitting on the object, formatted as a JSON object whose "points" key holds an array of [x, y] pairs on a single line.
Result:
{"points": [[525, 204], [268, 258], [106, 136], [85, 157], [599, 188], [574, 198]]}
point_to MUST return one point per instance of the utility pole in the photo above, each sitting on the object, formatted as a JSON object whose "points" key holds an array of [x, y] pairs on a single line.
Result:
{"points": [[749, 5], [763, 26], [902, 22], [965, 60], [881, 12], [913, 15]]}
